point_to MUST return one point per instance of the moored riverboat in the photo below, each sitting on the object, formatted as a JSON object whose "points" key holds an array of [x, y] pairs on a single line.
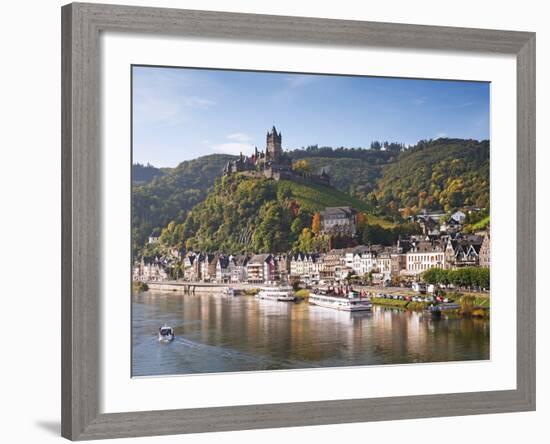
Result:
{"points": [[283, 293], [350, 301]]}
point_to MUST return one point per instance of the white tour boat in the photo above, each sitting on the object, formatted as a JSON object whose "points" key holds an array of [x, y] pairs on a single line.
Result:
{"points": [[166, 333], [283, 293], [352, 301]]}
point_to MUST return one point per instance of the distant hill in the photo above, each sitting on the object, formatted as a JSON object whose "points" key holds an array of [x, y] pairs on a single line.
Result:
{"points": [[145, 173], [170, 195], [373, 156], [441, 174]]}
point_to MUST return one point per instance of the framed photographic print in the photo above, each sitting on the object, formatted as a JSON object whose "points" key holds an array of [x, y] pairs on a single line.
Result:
{"points": [[278, 221]]}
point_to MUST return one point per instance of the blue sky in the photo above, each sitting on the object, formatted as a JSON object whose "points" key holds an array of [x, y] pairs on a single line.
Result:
{"points": [[181, 114]]}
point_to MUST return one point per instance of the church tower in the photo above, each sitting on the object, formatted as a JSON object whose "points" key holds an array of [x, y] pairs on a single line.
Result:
{"points": [[273, 150]]}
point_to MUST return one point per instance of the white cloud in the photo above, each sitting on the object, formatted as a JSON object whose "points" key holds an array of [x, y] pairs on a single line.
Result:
{"points": [[233, 148], [239, 143], [441, 135], [239, 137]]}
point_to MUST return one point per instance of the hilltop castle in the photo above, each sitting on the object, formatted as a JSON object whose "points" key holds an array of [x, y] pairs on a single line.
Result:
{"points": [[272, 163]]}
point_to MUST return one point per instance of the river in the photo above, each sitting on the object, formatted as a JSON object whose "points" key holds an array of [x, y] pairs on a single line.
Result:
{"points": [[217, 333]]}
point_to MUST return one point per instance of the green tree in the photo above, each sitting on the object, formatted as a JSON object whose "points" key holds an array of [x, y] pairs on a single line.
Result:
{"points": [[432, 276], [367, 277], [297, 226], [272, 232], [305, 241]]}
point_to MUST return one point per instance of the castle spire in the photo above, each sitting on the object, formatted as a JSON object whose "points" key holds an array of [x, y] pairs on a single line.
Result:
{"points": [[273, 149]]}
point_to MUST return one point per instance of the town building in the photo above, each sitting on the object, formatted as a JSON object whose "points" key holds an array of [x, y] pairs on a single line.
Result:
{"points": [[223, 270], [150, 270], [282, 267], [306, 267], [153, 239], [423, 255], [208, 263], [330, 263], [238, 267], [398, 262], [428, 224], [452, 226], [463, 251], [339, 221], [485, 251], [260, 269], [384, 263], [191, 267], [459, 216]]}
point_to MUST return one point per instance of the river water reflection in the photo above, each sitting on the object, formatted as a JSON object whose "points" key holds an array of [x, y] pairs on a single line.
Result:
{"points": [[217, 333]]}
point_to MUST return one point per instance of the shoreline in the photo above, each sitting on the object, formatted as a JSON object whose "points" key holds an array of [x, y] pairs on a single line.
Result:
{"points": [[456, 309], [196, 287], [461, 304]]}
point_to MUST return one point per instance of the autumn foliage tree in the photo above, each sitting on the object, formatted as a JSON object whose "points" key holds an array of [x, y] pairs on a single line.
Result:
{"points": [[361, 221], [316, 223]]}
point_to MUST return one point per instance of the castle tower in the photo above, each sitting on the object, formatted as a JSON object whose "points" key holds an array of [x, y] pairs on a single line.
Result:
{"points": [[273, 150]]}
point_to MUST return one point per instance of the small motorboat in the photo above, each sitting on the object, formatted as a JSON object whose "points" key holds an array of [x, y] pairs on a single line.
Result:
{"points": [[434, 311], [166, 334], [229, 291]]}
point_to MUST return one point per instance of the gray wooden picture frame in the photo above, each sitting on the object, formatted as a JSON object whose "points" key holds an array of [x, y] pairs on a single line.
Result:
{"points": [[81, 172]]}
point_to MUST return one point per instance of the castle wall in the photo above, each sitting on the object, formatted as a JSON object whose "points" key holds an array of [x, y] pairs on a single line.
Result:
{"points": [[296, 177], [257, 174], [269, 173]]}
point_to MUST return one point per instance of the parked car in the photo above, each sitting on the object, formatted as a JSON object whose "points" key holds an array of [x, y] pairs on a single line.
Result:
{"points": [[419, 287]]}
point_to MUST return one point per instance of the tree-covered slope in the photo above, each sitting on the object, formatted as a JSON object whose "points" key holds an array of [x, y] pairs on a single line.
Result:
{"points": [[243, 214], [170, 196], [357, 177], [438, 175], [352, 170], [314, 197], [164, 195]]}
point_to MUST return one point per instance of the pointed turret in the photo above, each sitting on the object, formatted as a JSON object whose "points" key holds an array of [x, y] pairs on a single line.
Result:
{"points": [[273, 150]]}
